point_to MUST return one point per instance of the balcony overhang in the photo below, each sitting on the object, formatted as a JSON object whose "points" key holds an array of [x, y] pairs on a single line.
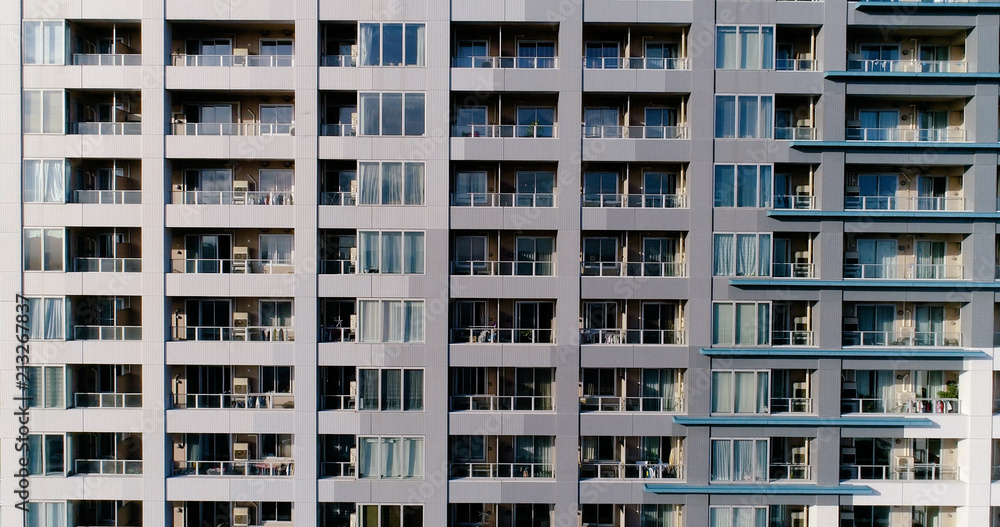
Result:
{"points": [[862, 283], [936, 215], [940, 77], [939, 146], [807, 421], [775, 489], [850, 352], [936, 6]]}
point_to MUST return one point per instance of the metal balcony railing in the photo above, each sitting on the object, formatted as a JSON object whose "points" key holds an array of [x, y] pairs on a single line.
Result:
{"points": [[910, 66], [258, 61], [242, 129], [634, 132], [256, 467], [916, 203], [108, 467], [107, 59], [253, 401], [905, 271], [107, 332], [631, 336], [108, 197], [636, 63], [910, 472], [906, 134], [493, 199], [615, 403], [107, 265], [337, 469], [99, 128], [235, 334], [241, 266], [502, 403], [901, 405], [236, 197], [902, 338], [504, 62], [490, 268], [495, 335], [107, 400], [500, 470], [504, 130], [665, 269], [637, 470], [652, 201]]}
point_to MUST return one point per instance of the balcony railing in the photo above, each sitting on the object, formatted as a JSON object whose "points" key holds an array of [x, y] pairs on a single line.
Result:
{"points": [[911, 66], [107, 265], [796, 64], [107, 400], [631, 336], [250, 129], [905, 271], [504, 130], [489, 268], [796, 201], [260, 61], [795, 133], [615, 403], [256, 467], [339, 61], [639, 470], [492, 199], [337, 469], [791, 338], [106, 59], [649, 201], [338, 130], [922, 203], [106, 128], [338, 198], [636, 63], [109, 197], [910, 472], [337, 267], [635, 132], [494, 335], [242, 266], [789, 471], [665, 269], [337, 334], [783, 405], [236, 197], [236, 334], [793, 270], [902, 405], [107, 332], [902, 338], [502, 403], [905, 134], [338, 402], [504, 62], [253, 401], [109, 467], [501, 470]]}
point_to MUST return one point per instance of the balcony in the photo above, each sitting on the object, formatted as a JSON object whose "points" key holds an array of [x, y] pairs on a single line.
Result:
{"points": [[497, 514], [493, 389], [899, 460], [106, 318], [631, 390], [249, 455], [232, 320], [232, 183], [483, 46], [503, 185], [210, 44], [243, 513], [902, 325], [503, 253], [902, 257], [795, 118], [630, 253], [105, 250], [608, 116], [338, 320], [107, 386], [233, 114], [624, 458], [105, 182], [232, 387], [107, 513], [793, 187], [779, 459], [610, 47], [264, 252], [778, 391], [105, 113], [106, 454], [900, 392], [493, 115], [98, 43], [503, 321], [632, 322], [494, 457], [906, 119], [904, 188], [911, 50]]}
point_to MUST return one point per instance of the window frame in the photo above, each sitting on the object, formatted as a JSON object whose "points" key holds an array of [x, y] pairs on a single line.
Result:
{"points": [[763, 263], [734, 395], [42, 112], [404, 98], [765, 61], [379, 251], [758, 340], [763, 186], [43, 49], [764, 127], [383, 304], [377, 463], [404, 51], [44, 256], [41, 320], [379, 394]]}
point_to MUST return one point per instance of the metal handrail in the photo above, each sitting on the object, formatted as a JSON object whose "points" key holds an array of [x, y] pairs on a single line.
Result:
{"points": [[107, 197], [233, 265], [107, 265], [911, 66], [252, 401], [506, 268], [636, 63], [97, 332], [234, 60], [495, 199], [501, 470], [255, 467], [109, 467], [235, 334], [502, 403], [635, 132], [634, 470], [242, 129], [237, 197], [504, 62], [668, 337], [107, 400], [664, 269], [102, 128], [905, 134], [902, 405], [107, 59], [907, 271], [915, 203], [902, 338], [495, 335], [615, 403], [655, 201], [546, 131]]}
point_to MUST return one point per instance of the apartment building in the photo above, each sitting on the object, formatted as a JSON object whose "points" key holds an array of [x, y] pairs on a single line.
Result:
{"points": [[503, 263]]}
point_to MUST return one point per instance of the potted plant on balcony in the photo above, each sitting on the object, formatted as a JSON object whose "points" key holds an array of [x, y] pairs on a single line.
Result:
{"points": [[950, 392]]}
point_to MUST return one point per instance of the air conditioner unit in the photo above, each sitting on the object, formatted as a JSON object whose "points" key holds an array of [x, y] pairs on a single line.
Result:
{"points": [[354, 51], [354, 120], [903, 461], [798, 519], [353, 455], [241, 451], [353, 388], [241, 386], [241, 253], [241, 186], [354, 251], [354, 322], [354, 515], [241, 319], [241, 516]]}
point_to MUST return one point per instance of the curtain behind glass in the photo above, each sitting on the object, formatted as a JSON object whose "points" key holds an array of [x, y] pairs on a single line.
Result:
{"points": [[723, 324], [746, 324], [413, 187], [746, 186], [746, 392], [392, 252], [746, 255], [368, 320], [369, 114], [392, 390], [722, 391], [369, 183], [727, 48], [369, 243], [392, 183], [413, 330], [750, 48], [413, 390], [368, 393], [413, 449], [369, 49], [53, 318], [763, 392], [413, 252], [33, 177], [392, 321], [722, 263], [54, 388], [721, 462], [55, 181], [744, 459], [724, 187], [368, 458], [725, 116]]}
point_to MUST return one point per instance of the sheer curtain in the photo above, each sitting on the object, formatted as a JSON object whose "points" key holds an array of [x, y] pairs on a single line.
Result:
{"points": [[722, 391], [765, 186], [750, 48], [723, 261], [746, 255], [746, 324], [391, 452], [746, 186], [727, 47], [414, 321], [748, 107], [725, 116], [413, 390], [369, 243], [724, 188], [766, 117], [764, 254], [33, 177], [392, 321], [421, 50], [744, 459], [392, 252], [744, 517], [763, 392], [369, 114], [588, 449], [886, 390], [413, 188], [722, 469], [413, 448], [53, 318], [392, 390], [544, 450], [767, 48], [746, 392], [413, 252], [723, 324], [368, 320], [55, 181], [368, 458], [369, 49], [368, 392], [369, 183], [392, 183]]}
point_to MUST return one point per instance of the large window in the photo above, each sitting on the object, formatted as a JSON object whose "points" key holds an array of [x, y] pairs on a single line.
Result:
{"points": [[744, 116], [44, 42], [391, 320], [391, 183], [43, 249], [740, 392], [43, 112], [44, 181], [744, 47], [740, 460], [391, 113], [46, 455], [742, 254], [391, 457], [46, 513], [46, 387], [391, 515], [741, 323], [392, 252], [743, 185], [392, 44], [47, 319], [738, 517], [390, 389]]}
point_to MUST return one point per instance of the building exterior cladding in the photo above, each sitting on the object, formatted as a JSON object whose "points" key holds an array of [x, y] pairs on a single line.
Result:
{"points": [[355, 263]]}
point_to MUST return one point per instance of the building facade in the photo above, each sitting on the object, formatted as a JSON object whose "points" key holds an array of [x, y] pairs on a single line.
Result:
{"points": [[356, 263]]}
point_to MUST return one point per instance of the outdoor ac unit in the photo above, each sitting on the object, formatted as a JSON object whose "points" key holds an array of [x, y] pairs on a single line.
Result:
{"points": [[241, 386], [354, 252], [354, 519], [241, 516], [903, 461], [354, 51], [241, 186], [241, 253], [354, 321], [241, 320], [353, 455], [241, 451], [353, 389]]}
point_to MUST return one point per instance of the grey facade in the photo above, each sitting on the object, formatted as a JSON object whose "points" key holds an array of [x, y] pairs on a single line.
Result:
{"points": [[261, 299]]}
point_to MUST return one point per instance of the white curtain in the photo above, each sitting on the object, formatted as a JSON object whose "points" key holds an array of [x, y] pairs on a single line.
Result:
{"points": [[746, 392], [392, 183], [722, 391], [368, 389], [392, 252], [763, 392], [392, 321], [53, 319], [34, 181], [369, 49], [727, 46], [749, 48], [764, 255], [392, 390], [391, 454], [746, 324], [722, 469], [276, 247], [368, 458], [743, 517], [413, 448], [421, 44], [746, 255], [368, 320], [414, 321], [748, 108], [369, 183], [369, 243], [588, 448], [413, 187], [720, 517], [369, 114], [744, 459], [725, 116], [413, 390], [723, 261], [886, 389], [723, 324], [413, 252]]}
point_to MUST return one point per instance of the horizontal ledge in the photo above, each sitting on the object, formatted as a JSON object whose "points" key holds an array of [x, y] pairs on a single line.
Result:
{"points": [[780, 489], [934, 5], [854, 353], [938, 145], [846, 422], [927, 215], [863, 283], [936, 76]]}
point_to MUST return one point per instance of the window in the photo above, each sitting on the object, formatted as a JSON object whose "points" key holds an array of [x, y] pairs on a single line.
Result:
{"points": [[738, 517], [600, 189], [43, 112], [46, 387], [660, 515], [391, 113], [391, 457], [391, 183], [46, 513], [43, 250], [276, 313], [44, 181], [740, 392], [390, 389], [391, 320], [277, 248], [278, 51], [535, 121], [471, 121], [534, 189], [276, 118], [534, 255], [276, 379], [393, 252], [742, 254], [392, 44], [391, 515], [740, 460], [47, 318], [744, 116], [45, 455], [600, 257], [741, 323], [744, 47], [44, 42], [743, 186], [275, 511], [536, 54]]}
